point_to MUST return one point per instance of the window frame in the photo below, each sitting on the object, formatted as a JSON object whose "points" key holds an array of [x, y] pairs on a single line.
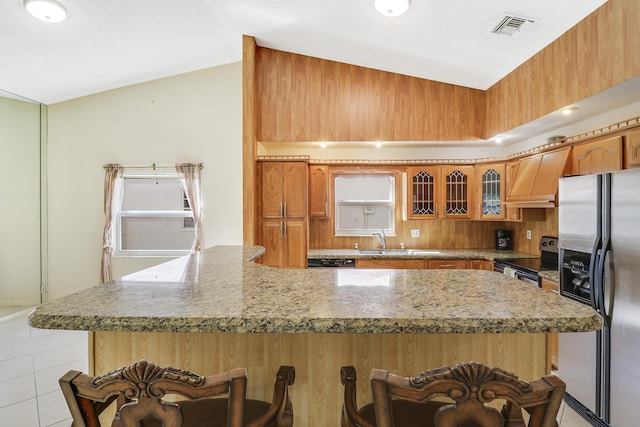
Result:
{"points": [[180, 212], [390, 203]]}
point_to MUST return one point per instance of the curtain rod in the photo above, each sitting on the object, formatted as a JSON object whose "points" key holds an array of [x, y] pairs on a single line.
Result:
{"points": [[154, 166]]}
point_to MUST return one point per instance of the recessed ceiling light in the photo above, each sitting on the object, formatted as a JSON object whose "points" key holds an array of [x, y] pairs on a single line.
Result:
{"points": [[568, 110], [391, 7], [498, 139], [378, 144], [323, 145], [46, 10]]}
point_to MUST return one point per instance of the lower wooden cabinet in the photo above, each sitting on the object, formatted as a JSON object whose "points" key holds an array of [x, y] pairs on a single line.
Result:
{"points": [[481, 264], [285, 243], [475, 264], [391, 263], [552, 339], [449, 263]]}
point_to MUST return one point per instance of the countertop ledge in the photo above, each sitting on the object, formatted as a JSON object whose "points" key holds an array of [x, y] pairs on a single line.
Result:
{"points": [[220, 290], [433, 253]]}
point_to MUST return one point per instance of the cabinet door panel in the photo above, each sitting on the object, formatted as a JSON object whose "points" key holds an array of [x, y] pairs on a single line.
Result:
{"points": [[457, 194], [272, 240], [423, 192], [632, 149], [448, 263], [295, 189], [598, 157], [272, 190], [295, 239], [319, 191], [491, 191]]}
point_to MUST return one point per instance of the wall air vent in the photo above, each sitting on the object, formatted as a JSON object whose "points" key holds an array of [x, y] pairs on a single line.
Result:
{"points": [[512, 26]]}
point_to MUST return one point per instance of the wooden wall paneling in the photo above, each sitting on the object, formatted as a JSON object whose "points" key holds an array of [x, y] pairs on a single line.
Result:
{"points": [[328, 107], [355, 103], [598, 54], [249, 140]]}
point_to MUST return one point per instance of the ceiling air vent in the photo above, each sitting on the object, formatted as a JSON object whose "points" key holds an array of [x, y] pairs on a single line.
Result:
{"points": [[512, 26]]}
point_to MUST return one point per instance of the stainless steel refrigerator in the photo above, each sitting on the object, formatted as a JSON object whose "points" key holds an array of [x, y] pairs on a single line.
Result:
{"points": [[599, 260]]}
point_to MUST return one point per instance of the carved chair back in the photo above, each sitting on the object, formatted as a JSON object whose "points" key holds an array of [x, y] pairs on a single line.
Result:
{"points": [[139, 390], [470, 387]]}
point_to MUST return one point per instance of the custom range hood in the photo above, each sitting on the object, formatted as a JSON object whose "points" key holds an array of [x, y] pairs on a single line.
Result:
{"points": [[535, 184]]}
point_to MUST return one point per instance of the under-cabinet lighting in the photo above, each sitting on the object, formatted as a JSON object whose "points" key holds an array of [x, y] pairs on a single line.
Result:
{"points": [[498, 139], [46, 10]]}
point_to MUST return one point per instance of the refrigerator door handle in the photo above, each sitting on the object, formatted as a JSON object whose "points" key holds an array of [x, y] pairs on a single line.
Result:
{"points": [[593, 268], [603, 309]]}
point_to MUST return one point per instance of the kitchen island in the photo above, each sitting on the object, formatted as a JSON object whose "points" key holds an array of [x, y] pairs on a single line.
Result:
{"points": [[217, 310]]}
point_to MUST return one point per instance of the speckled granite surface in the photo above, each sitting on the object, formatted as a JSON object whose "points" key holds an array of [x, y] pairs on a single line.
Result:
{"points": [[554, 276], [221, 291], [488, 254]]}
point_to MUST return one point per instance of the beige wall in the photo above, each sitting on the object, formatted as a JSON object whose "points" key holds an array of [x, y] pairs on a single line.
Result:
{"points": [[20, 203], [194, 117]]}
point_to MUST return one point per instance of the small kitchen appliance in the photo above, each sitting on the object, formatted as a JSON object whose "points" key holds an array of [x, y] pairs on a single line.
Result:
{"points": [[503, 240]]}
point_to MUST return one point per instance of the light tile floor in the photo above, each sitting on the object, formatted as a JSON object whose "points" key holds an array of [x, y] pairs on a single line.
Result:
{"points": [[31, 362]]}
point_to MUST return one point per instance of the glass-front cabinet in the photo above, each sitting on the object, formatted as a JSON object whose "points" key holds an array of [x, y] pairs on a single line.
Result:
{"points": [[423, 192], [491, 190], [444, 192]]}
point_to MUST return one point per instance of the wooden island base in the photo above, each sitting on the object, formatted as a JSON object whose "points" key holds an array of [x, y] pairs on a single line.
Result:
{"points": [[317, 392]]}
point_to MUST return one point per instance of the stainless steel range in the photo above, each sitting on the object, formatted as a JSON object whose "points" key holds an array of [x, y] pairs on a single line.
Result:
{"points": [[526, 269]]}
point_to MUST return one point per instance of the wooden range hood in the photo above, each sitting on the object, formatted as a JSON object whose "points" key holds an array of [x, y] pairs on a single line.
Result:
{"points": [[535, 184]]}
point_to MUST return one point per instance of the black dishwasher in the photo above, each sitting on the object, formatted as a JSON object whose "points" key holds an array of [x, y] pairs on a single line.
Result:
{"points": [[331, 262]]}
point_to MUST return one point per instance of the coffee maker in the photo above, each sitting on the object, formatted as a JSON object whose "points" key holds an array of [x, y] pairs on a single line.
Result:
{"points": [[503, 240]]}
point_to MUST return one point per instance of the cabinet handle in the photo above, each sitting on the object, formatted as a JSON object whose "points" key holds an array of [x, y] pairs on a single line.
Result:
{"points": [[285, 228], [285, 210], [447, 265], [280, 212], [281, 229], [326, 209]]}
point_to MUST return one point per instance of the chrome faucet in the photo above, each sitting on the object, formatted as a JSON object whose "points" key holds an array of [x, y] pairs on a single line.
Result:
{"points": [[383, 239]]}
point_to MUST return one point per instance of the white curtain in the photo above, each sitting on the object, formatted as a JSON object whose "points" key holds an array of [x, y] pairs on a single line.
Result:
{"points": [[189, 174], [112, 203]]}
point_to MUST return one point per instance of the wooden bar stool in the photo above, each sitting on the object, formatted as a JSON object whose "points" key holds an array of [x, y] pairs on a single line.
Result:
{"points": [[453, 397], [138, 392]]}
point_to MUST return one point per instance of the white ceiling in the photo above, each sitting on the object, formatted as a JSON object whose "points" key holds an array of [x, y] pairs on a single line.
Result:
{"points": [[106, 44]]}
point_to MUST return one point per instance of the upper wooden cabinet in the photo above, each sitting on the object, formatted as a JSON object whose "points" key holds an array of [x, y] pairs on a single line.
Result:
{"points": [[536, 180], [632, 150], [511, 213], [445, 192], [598, 156], [490, 191], [423, 192], [318, 191], [284, 189], [458, 188]]}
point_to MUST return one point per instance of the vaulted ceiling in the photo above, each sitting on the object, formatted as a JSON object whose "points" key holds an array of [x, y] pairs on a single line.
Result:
{"points": [[104, 45]]}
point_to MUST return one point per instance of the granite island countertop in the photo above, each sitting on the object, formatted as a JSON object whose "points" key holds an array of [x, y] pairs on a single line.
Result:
{"points": [[223, 290]]}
